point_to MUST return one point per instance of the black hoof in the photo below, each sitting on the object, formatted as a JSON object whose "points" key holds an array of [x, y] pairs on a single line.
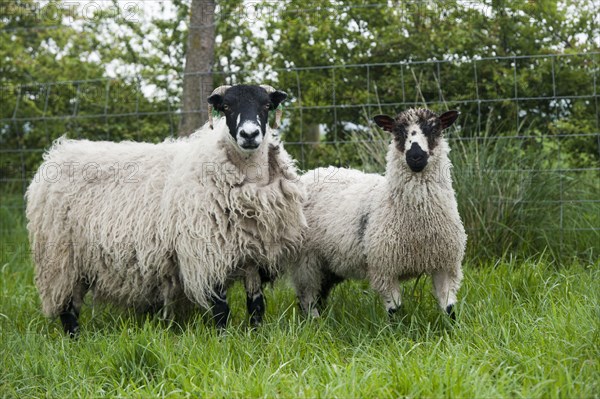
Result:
{"points": [[68, 318], [220, 309], [70, 324], [451, 312], [256, 309]]}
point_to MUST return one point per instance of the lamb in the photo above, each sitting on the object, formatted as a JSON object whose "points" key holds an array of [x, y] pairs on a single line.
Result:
{"points": [[385, 228], [169, 225]]}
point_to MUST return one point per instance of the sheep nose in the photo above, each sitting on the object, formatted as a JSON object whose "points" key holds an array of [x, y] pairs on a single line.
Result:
{"points": [[416, 153], [249, 135], [416, 157]]}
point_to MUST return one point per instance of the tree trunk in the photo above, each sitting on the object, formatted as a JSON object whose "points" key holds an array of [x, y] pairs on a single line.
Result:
{"points": [[197, 77]]}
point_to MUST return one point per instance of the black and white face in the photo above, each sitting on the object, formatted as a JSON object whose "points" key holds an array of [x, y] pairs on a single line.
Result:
{"points": [[246, 109], [416, 133]]}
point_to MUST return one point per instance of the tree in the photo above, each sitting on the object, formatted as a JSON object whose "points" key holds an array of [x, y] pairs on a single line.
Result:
{"points": [[197, 78], [53, 83]]}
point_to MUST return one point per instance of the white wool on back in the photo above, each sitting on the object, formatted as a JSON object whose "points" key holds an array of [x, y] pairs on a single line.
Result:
{"points": [[382, 227], [147, 225]]}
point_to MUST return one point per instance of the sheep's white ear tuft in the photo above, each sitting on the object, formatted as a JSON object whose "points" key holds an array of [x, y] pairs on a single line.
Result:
{"points": [[448, 118], [385, 122]]}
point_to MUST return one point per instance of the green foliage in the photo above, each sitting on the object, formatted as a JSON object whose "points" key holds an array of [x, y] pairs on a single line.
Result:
{"points": [[52, 82], [36, 47], [356, 32], [456, 33]]}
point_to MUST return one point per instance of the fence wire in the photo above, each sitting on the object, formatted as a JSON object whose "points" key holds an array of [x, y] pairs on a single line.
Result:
{"points": [[546, 103]]}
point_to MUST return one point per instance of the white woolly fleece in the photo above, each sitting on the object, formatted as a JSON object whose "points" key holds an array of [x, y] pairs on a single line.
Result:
{"points": [[147, 225], [382, 228]]}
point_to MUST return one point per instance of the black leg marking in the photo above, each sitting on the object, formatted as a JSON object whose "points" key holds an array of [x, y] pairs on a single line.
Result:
{"points": [[265, 276], [69, 322], [256, 308], [220, 308], [329, 281], [451, 312]]}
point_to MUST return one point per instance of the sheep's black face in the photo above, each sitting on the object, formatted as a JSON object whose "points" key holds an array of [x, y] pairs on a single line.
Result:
{"points": [[246, 110], [416, 133]]}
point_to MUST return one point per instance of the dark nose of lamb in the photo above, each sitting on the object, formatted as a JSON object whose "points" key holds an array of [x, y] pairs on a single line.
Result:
{"points": [[416, 158], [416, 154], [249, 135]]}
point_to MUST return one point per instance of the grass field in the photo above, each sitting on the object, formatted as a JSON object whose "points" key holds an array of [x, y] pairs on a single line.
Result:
{"points": [[526, 328]]}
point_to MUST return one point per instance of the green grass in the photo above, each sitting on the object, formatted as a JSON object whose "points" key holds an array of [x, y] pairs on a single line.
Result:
{"points": [[526, 328]]}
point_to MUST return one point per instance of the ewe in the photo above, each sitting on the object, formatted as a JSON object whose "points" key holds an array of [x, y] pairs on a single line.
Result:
{"points": [[167, 225]]}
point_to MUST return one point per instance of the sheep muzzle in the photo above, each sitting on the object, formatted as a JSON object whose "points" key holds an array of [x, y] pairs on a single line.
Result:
{"points": [[416, 158]]}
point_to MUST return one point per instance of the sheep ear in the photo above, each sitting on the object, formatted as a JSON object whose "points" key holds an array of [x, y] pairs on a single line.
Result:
{"points": [[216, 100], [277, 97], [385, 122], [448, 118]]}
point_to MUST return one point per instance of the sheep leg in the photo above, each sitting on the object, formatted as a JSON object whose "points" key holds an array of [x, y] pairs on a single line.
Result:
{"points": [[255, 301], [70, 314], [329, 281], [446, 285], [68, 318], [220, 307], [307, 278], [308, 302], [391, 295]]}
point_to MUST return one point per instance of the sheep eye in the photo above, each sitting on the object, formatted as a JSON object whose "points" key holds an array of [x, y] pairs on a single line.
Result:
{"points": [[226, 107], [267, 107]]}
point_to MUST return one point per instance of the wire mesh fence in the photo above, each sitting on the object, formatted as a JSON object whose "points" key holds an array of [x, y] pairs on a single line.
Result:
{"points": [[528, 139]]}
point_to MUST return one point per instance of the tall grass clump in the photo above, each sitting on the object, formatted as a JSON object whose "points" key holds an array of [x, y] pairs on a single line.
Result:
{"points": [[514, 199], [13, 233]]}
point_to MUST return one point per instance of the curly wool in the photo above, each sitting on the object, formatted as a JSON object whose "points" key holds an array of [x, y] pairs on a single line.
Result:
{"points": [[151, 225]]}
